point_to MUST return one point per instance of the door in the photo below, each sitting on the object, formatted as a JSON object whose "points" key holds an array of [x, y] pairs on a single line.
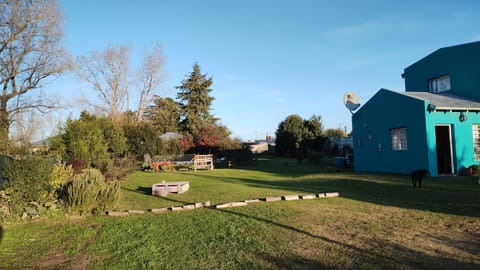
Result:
{"points": [[443, 137]]}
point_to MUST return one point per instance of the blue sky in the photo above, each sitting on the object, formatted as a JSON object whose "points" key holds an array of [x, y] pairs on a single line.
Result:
{"points": [[273, 58]]}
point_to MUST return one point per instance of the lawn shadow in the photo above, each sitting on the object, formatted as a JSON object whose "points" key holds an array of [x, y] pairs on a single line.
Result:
{"points": [[390, 190], [140, 189], [391, 256]]}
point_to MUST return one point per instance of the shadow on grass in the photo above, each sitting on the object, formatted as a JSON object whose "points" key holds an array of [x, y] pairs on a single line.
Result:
{"points": [[458, 197], [378, 253]]}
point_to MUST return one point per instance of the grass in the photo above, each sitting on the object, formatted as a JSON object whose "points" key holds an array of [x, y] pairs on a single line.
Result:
{"points": [[378, 222]]}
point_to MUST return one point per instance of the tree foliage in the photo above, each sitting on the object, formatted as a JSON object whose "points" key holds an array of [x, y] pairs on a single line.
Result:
{"points": [[211, 136], [296, 136], [142, 138], [31, 52], [335, 133], [195, 101], [164, 115], [93, 139], [84, 140]]}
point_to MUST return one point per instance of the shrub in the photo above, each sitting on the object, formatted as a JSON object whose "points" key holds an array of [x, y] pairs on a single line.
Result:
{"points": [[120, 167], [77, 165], [84, 139], [61, 175], [89, 192], [27, 186], [239, 156]]}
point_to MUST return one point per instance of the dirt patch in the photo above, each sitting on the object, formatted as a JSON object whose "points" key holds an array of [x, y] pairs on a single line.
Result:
{"points": [[55, 260], [58, 259]]}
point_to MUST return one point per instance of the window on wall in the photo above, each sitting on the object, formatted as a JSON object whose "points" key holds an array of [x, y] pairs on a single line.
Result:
{"points": [[399, 139], [439, 84], [476, 141]]}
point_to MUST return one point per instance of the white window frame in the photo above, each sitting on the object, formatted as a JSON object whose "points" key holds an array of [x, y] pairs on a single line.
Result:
{"points": [[399, 139], [476, 141], [439, 84]]}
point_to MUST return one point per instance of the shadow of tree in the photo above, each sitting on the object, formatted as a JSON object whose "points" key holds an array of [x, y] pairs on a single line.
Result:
{"points": [[378, 253], [389, 190]]}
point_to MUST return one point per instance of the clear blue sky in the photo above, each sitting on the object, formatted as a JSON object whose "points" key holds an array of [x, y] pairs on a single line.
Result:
{"points": [[273, 58]]}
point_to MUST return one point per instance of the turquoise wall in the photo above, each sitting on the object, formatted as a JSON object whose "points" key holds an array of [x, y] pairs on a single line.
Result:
{"points": [[462, 138], [386, 110], [461, 62]]}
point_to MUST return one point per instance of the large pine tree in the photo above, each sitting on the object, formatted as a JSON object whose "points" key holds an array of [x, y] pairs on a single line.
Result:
{"points": [[194, 102]]}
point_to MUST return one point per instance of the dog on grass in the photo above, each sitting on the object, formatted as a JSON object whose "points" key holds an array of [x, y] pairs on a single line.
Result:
{"points": [[417, 177]]}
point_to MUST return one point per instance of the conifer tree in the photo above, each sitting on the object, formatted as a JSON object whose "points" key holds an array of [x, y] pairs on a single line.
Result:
{"points": [[194, 102]]}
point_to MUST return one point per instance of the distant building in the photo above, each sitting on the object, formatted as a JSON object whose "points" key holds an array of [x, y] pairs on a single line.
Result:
{"points": [[261, 146], [434, 124]]}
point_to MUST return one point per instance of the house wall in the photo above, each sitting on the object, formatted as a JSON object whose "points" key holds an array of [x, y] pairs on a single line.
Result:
{"points": [[384, 111], [461, 62], [462, 138]]}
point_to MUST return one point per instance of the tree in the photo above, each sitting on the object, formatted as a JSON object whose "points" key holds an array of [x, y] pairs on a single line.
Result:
{"points": [[313, 138], [30, 52], [83, 139], [150, 75], [164, 114], [108, 74], [112, 134], [142, 138], [295, 136], [211, 136], [335, 133], [195, 101], [289, 135]]}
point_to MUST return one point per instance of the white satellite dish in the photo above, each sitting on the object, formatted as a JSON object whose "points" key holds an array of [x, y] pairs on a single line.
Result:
{"points": [[351, 101]]}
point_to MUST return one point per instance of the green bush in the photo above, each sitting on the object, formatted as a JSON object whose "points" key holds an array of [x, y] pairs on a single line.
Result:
{"points": [[27, 186], [239, 156], [90, 193], [3, 160], [118, 168], [61, 175]]}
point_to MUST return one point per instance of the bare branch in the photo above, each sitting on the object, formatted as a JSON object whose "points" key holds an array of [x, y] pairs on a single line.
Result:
{"points": [[107, 73], [30, 52], [150, 76]]}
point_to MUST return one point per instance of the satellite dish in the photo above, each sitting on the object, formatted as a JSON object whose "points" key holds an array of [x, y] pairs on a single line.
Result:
{"points": [[351, 101]]}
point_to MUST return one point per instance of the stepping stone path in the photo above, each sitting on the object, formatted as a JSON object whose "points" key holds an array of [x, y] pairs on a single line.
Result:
{"points": [[225, 205]]}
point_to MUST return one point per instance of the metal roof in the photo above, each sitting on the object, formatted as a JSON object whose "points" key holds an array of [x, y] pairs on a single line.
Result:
{"points": [[446, 102]]}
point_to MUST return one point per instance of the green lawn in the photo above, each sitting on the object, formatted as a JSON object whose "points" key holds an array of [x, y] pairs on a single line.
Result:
{"points": [[378, 222]]}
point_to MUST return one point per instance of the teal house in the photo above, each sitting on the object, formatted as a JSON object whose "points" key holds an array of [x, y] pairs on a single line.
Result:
{"points": [[434, 124]]}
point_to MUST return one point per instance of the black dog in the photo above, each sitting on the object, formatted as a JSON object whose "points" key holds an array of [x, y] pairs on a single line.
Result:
{"points": [[417, 176]]}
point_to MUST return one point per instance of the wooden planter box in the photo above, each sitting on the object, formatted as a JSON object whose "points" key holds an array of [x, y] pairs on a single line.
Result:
{"points": [[170, 187]]}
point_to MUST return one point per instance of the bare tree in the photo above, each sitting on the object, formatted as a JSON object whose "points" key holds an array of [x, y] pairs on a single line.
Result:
{"points": [[150, 76], [108, 74], [24, 127], [30, 52]]}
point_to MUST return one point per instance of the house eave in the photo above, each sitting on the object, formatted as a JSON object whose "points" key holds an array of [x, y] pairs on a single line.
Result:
{"points": [[455, 109]]}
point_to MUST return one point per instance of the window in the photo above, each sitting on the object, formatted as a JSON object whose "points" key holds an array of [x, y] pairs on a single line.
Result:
{"points": [[476, 141], [439, 84], [399, 139]]}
